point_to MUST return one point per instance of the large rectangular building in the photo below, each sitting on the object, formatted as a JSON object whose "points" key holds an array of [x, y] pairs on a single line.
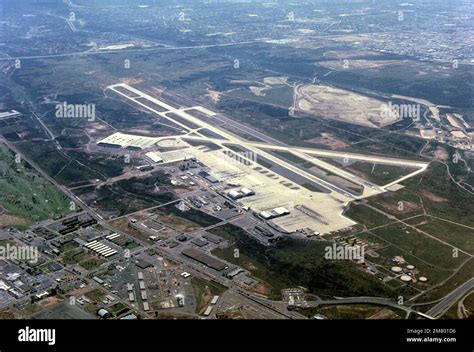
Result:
{"points": [[205, 259], [128, 141]]}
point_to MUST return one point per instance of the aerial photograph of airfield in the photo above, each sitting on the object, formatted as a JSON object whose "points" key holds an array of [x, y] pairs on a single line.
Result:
{"points": [[236, 160], [310, 199]]}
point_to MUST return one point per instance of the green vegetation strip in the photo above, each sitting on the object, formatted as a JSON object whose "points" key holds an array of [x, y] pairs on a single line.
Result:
{"points": [[25, 194], [298, 263]]}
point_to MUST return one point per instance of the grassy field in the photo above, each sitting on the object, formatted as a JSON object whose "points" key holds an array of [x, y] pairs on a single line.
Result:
{"points": [[123, 225], [387, 252], [379, 174], [421, 246], [310, 187], [442, 197], [464, 274], [467, 301], [353, 311], [279, 95], [25, 194], [204, 290], [298, 263], [127, 196], [73, 256], [289, 156], [91, 263], [456, 235], [56, 165], [186, 221], [366, 215], [432, 192], [401, 204]]}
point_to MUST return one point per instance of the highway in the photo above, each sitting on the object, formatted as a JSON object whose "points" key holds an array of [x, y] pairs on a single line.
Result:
{"points": [[350, 300], [450, 299]]}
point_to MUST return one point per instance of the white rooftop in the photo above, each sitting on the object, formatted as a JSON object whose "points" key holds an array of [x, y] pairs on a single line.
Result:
{"points": [[129, 140]]}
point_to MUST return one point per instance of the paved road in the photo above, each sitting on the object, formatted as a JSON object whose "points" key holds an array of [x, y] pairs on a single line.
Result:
{"points": [[450, 299], [360, 300], [350, 300]]}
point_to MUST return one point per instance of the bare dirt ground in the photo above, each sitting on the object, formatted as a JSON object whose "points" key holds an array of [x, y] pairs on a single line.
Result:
{"points": [[384, 313], [433, 197], [441, 154], [10, 220], [347, 54], [329, 140], [97, 127], [49, 301], [214, 95], [407, 207], [128, 173], [340, 104], [258, 91], [157, 90], [348, 38], [358, 64], [262, 288], [132, 81], [275, 80], [9, 314]]}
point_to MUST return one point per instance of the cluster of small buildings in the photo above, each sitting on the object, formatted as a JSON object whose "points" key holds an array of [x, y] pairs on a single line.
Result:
{"points": [[198, 202], [17, 288], [353, 241], [461, 132], [209, 308], [458, 133], [143, 294], [100, 249], [119, 240], [73, 223]]}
